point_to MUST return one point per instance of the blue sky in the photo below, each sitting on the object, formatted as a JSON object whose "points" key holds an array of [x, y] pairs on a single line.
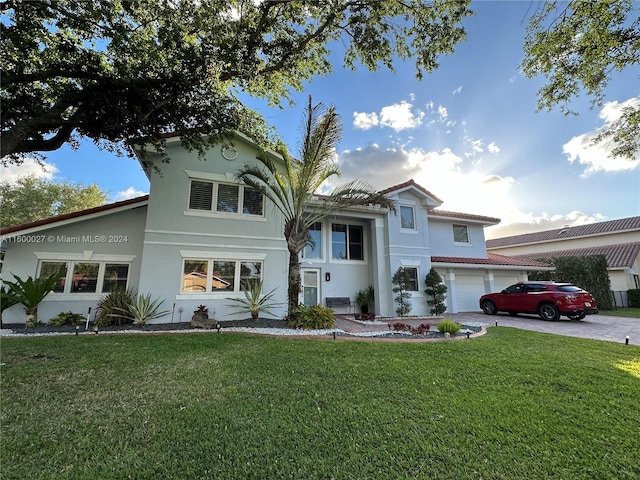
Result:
{"points": [[469, 133]]}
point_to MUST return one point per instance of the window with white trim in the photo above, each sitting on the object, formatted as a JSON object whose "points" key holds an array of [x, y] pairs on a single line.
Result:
{"points": [[225, 198], [407, 217], [314, 248], [200, 275], [412, 273], [347, 242], [460, 234], [86, 276]]}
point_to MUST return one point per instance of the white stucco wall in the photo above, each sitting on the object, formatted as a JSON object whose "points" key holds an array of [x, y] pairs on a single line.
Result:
{"points": [[112, 236]]}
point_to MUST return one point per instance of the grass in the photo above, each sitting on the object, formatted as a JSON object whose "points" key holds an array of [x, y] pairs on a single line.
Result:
{"points": [[230, 406], [622, 312]]}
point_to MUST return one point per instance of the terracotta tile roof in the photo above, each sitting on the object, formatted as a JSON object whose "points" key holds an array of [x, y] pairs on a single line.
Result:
{"points": [[72, 215], [623, 224], [492, 259], [410, 183], [463, 216], [618, 256]]}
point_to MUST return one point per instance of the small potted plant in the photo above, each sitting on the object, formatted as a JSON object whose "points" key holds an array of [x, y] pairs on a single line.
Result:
{"points": [[363, 299]]}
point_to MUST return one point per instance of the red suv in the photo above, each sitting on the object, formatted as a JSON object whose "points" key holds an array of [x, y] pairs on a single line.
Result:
{"points": [[547, 299]]}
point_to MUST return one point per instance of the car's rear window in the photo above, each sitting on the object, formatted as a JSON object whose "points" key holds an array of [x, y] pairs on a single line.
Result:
{"points": [[568, 288]]}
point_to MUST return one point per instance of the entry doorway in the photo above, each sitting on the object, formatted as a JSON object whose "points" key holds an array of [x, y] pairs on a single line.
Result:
{"points": [[310, 286]]}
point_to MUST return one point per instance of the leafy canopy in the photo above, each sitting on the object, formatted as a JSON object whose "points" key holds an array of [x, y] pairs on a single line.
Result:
{"points": [[133, 71], [31, 198], [577, 46]]}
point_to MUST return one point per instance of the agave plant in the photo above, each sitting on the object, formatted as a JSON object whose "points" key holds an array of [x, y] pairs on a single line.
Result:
{"points": [[143, 309], [29, 293], [252, 302], [111, 307]]}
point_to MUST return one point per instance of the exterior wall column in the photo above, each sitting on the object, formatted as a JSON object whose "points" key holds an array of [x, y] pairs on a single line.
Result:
{"points": [[381, 278]]}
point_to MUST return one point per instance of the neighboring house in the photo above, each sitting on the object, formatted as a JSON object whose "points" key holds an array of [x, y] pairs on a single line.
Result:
{"points": [[200, 234], [617, 240]]}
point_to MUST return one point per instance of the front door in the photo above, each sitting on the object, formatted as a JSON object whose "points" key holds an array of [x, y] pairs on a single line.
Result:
{"points": [[310, 286]]}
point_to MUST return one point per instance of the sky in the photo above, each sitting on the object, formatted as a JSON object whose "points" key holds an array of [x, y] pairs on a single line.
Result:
{"points": [[468, 132]]}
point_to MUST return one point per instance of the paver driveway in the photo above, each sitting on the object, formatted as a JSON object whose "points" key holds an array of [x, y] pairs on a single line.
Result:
{"points": [[599, 327]]}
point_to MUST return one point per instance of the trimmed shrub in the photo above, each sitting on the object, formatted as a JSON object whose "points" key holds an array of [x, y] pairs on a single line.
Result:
{"points": [[634, 297], [449, 326], [67, 318], [314, 317], [437, 291], [401, 281]]}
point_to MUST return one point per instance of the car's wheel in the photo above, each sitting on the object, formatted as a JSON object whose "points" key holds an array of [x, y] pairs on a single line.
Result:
{"points": [[577, 316], [548, 311], [489, 308]]}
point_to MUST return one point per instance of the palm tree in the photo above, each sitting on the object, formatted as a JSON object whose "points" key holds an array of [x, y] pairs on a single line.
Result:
{"points": [[292, 189]]}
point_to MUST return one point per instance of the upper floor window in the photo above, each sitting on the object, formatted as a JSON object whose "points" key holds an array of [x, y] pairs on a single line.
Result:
{"points": [[86, 276], [225, 198], [347, 242], [460, 234], [314, 247], [407, 217]]}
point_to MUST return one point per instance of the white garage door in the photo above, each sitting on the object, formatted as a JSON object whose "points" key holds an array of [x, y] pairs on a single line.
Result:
{"points": [[502, 282], [469, 288]]}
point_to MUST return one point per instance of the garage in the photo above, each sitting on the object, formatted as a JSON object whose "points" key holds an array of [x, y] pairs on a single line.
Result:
{"points": [[469, 289], [503, 281]]}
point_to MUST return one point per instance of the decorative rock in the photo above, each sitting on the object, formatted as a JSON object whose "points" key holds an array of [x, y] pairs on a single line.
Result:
{"points": [[202, 321]]}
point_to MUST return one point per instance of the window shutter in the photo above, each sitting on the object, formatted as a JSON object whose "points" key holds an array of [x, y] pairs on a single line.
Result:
{"points": [[201, 195], [227, 198]]}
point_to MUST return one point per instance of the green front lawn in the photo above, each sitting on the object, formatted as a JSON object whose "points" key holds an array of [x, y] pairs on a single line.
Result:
{"points": [[622, 312], [511, 404]]}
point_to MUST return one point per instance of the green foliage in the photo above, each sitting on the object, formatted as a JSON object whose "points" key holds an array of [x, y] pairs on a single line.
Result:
{"points": [[67, 318], [313, 317], [448, 326], [364, 298], [143, 309], [588, 272], [6, 300], [31, 198], [116, 71], [291, 188], [253, 303], [112, 306], [29, 293], [634, 297], [437, 291], [578, 46], [401, 281]]}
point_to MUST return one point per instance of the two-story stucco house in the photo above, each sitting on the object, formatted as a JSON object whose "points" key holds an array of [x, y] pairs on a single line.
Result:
{"points": [[199, 233]]}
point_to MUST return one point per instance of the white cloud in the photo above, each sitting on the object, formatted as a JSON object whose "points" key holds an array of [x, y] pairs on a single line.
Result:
{"points": [[462, 186], [12, 172], [442, 112], [476, 147], [365, 121], [493, 148], [399, 116], [130, 192], [596, 157], [457, 90]]}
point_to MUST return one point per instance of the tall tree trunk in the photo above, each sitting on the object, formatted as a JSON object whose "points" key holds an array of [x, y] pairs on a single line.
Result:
{"points": [[294, 282]]}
